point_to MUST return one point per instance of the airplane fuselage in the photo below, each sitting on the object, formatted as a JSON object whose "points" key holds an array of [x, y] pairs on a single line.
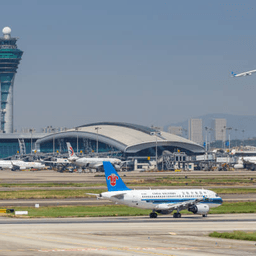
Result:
{"points": [[95, 162], [151, 199], [8, 164]]}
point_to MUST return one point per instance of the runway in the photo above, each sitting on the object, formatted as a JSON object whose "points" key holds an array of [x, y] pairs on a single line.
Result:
{"points": [[93, 201], [125, 236]]}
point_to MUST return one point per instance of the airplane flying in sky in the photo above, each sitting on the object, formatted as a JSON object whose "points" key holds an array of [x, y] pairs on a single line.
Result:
{"points": [[247, 73], [163, 201], [90, 162]]}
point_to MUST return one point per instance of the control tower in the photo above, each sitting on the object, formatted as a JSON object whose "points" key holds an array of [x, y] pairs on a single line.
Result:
{"points": [[10, 58]]}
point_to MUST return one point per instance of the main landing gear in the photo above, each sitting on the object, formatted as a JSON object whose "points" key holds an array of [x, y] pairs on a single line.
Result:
{"points": [[176, 215], [153, 215]]}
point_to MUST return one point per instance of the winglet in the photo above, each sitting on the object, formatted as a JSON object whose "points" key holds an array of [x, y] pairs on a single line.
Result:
{"points": [[114, 181]]}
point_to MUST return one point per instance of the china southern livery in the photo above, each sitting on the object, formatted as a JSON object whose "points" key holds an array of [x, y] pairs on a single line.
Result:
{"points": [[247, 73], [164, 201]]}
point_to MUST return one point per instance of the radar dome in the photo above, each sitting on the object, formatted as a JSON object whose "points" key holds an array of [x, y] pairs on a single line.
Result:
{"points": [[7, 31]]}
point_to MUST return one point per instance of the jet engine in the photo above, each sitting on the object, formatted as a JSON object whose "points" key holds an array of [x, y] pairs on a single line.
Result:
{"points": [[162, 207], [199, 209], [238, 166], [117, 167]]}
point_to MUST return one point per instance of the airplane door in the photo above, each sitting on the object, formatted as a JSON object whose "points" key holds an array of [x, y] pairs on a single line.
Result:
{"points": [[135, 200]]}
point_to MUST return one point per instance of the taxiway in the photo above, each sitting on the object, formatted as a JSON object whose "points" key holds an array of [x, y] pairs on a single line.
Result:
{"points": [[125, 236]]}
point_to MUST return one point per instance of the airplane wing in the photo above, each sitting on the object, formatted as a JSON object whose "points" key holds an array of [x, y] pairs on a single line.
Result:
{"points": [[180, 206], [92, 194], [247, 73], [96, 165], [117, 196], [249, 161], [55, 162]]}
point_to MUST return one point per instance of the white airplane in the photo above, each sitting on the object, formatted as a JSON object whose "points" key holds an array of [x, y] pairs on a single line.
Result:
{"points": [[247, 73], [90, 162], [248, 162], [164, 201], [59, 164], [58, 161], [20, 165]]}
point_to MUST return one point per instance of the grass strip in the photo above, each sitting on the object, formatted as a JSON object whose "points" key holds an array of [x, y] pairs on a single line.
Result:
{"points": [[238, 235], [234, 190], [69, 193], [51, 184], [152, 181], [120, 210], [239, 207], [82, 211], [47, 194]]}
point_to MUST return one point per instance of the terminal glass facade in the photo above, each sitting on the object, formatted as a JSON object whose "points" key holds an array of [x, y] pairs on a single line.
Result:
{"points": [[10, 147], [152, 151], [85, 146]]}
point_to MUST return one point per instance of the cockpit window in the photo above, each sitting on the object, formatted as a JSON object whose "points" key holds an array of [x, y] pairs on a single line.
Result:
{"points": [[216, 195]]}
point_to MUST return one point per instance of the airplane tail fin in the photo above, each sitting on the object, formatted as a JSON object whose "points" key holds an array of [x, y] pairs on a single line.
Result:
{"points": [[233, 74], [114, 181], [71, 153]]}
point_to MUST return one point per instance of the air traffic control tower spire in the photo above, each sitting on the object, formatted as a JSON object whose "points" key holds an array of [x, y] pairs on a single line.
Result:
{"points": [[10, 58]]}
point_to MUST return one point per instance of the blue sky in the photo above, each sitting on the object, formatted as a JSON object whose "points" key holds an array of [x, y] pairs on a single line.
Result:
{"points": [[145, 62]]}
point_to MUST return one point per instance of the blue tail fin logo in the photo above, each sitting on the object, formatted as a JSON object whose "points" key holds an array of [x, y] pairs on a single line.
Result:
{"points": [[114, 181]]}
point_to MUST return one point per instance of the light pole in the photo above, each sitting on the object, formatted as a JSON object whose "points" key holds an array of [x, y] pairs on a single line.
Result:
{"points": [[156, 134], [53, 144], [206, 135], [243, 137], [97, 145], [236, 136], [31, 131], [229, 129], [225, 132], [207, 130], [223, 142], [76, 139], [210, 137]]}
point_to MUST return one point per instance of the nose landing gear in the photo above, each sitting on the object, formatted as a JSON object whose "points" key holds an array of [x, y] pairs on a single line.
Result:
{"points": [[176, 215], [153, 215]]}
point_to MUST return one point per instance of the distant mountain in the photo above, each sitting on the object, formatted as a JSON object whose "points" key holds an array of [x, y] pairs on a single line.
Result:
{"points": [[239, 122]]}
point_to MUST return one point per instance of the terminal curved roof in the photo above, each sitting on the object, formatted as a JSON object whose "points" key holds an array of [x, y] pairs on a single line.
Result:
{"points": [[129, 138]]}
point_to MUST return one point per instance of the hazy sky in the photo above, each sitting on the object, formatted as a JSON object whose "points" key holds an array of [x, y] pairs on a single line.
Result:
{"points": [[145, 62]]}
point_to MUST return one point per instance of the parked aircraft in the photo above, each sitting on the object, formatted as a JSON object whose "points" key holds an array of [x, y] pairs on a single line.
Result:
{"points": [[163, 201], [248, 162], [247, 73], [60, 164], [20, 165], [90, 162]]}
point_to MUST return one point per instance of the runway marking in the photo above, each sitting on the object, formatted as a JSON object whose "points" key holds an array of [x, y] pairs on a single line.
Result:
{"points": [[138, 250], [73, 250]]}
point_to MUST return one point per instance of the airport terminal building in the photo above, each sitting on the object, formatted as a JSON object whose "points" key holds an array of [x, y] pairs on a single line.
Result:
{"points": [[124, 139]]}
